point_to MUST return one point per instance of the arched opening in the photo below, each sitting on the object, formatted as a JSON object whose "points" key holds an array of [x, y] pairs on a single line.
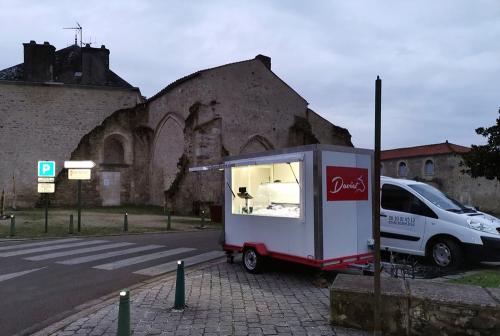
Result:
{"points": [[402, 169], [429, 168], [114, 152], [255, 144], [113, 159], [167, 149]]}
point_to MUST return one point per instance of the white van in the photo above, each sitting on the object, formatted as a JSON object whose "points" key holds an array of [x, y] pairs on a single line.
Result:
{"points": [[418, 219]]}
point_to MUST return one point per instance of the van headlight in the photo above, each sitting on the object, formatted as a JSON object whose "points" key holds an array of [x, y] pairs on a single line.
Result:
{"points": [[481, 227]]}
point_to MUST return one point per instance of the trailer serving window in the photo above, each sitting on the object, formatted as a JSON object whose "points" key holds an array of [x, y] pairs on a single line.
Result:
{"points": [[271, 189]]}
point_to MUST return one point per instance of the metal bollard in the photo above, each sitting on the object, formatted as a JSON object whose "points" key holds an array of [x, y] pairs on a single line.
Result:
{"points": [[124, 314], [12, 225], [169, 221], [202, 225], [70, 229], [125, 222], [180, 297]]}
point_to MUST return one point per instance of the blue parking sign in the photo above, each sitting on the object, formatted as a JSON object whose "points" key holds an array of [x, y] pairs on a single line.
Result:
{"points": [[46, 169]]}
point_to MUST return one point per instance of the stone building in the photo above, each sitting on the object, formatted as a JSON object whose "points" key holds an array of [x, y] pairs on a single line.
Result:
{"points": [[68, 104], [47, 104], [143, 152], [440, 165]]}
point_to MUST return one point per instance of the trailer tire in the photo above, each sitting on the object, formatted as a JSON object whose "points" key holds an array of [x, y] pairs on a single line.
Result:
{"points": [[252, 261], [446, 253]]}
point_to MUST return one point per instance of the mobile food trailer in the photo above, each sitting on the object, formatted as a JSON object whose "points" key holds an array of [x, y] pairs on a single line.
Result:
{"points": [[310, 205]]}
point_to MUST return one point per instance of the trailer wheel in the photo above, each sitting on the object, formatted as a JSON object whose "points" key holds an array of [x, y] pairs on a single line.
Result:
{"points": [[446, 253], [252, 261]]}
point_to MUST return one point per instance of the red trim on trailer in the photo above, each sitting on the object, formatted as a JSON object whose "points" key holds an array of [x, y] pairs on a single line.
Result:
{"points": [[232, 248], [259, 247], [326, 264]]}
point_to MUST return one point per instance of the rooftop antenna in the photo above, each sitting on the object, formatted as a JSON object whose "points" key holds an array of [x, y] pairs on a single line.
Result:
{"points": [[90, 42], [78, 30]]}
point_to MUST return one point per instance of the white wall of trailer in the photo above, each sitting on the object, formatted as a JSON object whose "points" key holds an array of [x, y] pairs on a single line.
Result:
{"points": [[347, 224], [293, 236]]}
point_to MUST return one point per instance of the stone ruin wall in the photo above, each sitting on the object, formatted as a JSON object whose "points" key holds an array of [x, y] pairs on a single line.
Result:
{"points": [[127, 126], [230, 110], [46, 122]]}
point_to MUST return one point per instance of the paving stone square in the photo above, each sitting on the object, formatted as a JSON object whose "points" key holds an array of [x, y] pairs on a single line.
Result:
{"points": [[222, 299]]}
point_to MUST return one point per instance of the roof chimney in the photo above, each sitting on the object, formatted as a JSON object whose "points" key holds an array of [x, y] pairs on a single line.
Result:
{"points": [[39, 61], [95, 65], [264, 59]]}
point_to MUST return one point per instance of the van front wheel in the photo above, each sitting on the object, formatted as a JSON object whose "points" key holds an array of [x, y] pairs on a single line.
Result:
{"points": [[446, 253]]}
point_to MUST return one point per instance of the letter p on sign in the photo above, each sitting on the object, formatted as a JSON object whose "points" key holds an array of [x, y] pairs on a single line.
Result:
{"points": [[46, 169]]}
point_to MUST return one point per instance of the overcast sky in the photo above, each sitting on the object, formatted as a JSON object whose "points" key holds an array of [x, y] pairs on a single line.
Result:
{"points": [[439, 60]]}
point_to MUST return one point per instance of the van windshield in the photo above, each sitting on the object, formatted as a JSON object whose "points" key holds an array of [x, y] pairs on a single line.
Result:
{"points": [[439, 199]]}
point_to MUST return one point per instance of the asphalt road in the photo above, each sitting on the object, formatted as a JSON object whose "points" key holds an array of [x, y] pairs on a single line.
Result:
{"points": [[40, 284]]}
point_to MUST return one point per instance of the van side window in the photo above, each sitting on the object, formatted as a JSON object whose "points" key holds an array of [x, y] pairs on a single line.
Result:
{"points": [[397, 199]]}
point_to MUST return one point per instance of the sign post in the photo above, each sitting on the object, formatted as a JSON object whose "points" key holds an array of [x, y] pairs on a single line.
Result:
{"points": [[46, 174], [79, 170], [46, 213], [377, 328], [79, 206]]}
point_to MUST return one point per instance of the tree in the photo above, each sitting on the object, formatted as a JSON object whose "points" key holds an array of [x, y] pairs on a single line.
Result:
{"points": [[485, 160]]}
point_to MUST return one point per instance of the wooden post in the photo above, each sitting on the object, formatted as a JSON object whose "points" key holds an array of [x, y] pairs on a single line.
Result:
{"points": [[70, 229], [2, 206], [377, 328], [14, 197]]}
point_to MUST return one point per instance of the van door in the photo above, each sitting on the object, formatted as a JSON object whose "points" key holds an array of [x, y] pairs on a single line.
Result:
{"points": [[402, 220]]}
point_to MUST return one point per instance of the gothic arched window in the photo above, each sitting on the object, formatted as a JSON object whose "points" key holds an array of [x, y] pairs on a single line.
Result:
{"points": [[113, 150], [402, 169], [429, 167]]}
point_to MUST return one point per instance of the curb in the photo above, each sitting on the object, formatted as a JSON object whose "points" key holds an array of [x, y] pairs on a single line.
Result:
{"points": [[64, 319]]}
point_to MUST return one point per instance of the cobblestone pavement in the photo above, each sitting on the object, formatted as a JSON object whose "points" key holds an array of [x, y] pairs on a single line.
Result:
{"points": [[222, 299]]}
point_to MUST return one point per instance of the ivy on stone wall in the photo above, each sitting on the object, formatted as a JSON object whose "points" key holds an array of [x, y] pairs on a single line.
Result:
{"points": [[193, 114], [182, 165], [303, 127]]}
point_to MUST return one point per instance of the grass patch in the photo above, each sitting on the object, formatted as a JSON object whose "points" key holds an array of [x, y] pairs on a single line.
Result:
{"points": [[98, 221], [489, 278], [130, 209]]}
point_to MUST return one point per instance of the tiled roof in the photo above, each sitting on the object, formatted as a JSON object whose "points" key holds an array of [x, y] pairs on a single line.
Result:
{"points": [[15, 72], [425, 150]]}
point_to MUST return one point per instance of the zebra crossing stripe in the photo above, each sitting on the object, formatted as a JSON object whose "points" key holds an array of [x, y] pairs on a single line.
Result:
{"points": [[56, 241], [141, 259], [172, 266], [9, 276], [50, 248], [86, 259], [77, 251]]}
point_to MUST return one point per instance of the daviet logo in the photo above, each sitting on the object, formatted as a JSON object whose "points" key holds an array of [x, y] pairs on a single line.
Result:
{"points": [[346, 184]]}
